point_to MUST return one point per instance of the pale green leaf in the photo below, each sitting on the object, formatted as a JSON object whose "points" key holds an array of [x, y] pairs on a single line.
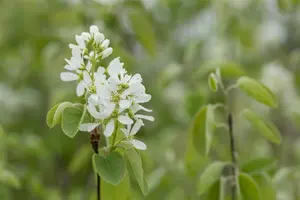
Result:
{"points": [[266, 188], [266, 128], [136, 168], [258, 165], [210, 176], [71, 119], [8, 178], [198, 130], [257, 91], [110, 168], [55, 113], [248, 188], [213, 82], [209, 127]]}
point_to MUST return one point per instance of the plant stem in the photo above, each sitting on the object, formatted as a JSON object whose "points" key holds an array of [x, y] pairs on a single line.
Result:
{"points": [[233, 157], [95, 137]]}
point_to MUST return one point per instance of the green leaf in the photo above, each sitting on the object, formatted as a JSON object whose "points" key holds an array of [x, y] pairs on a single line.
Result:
{"points": [[257, 91], [248, 188], [55, 113], [110, 168], [71, 119], [266, 128], [7, 177], [203, 127], [136, 168], [116, 192], [283, 5], [282, 175], [265, 186], [231, 70], [209, 127], [143, 31], [213, 82], [258, 165], [210, 176]]}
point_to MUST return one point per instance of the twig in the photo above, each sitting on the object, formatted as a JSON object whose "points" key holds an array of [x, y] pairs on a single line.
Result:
{"points": [[95, 137], [233, 157]]}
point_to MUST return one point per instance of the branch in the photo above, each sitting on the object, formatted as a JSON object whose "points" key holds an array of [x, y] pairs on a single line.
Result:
{"points": [[95, 138]]}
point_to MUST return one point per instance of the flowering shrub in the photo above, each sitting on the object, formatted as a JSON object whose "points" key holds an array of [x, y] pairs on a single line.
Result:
{"points": [[112, 104]]}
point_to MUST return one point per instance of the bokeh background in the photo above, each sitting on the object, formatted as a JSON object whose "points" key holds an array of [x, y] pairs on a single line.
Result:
{"points": [[174, 44]]}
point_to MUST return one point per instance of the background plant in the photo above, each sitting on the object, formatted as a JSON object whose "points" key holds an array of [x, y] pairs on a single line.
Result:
{"points": [[175, 45]]}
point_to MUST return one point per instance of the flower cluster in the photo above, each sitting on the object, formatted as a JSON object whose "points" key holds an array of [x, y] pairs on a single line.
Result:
{"points": [[113, 96]]}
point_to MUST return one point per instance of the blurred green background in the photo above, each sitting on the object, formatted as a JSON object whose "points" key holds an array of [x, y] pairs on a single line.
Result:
{"points": [[174, 44]]}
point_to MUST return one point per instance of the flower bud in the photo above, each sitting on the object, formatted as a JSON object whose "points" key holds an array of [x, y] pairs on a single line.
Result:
{"points": [[107, 52], [105, 44], [99, 37]]}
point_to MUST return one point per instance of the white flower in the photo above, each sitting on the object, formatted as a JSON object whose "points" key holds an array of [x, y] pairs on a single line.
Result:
{"points": [[130, 132]]}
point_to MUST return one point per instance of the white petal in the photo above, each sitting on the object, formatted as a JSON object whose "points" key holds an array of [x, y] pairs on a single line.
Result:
{"points": [[99, 37], [125, 119], [143, 98], [138, 144], [150, 118], [86, 78], [94, 29], [114, 67], [92, 110], [124, 104], [80, 89], [105, 43], [68, 76], [109, 109], [86, 36], [80, 41], [136, 78], [145, 109], [110, 126], [88, 127], [135, 88], [136, 127], [88, 66], [107, 52], [69, 67]]}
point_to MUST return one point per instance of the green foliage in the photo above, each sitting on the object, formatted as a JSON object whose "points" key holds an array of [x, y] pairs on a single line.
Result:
{"points": [[248, 188], [213, 82], [116, 192], [210, 176], [71, 119], [258, 165], [55, 114], [257, 91], [135, 168], [266, 188], [264, 127], [111, 168]]}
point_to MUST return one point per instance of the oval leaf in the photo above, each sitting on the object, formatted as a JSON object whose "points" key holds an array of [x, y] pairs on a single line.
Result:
{"points": [[71, 120], [136, 168], [213, 82], [210, 176], [266, 128], [265, 186], [55, 113], [257, 91], [209, 127], [258, 165], [110, 168], [248, 188]]}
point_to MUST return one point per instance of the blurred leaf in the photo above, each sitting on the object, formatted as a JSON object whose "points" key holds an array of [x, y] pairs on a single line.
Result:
{"points": [[213, 82], [116, 192], [8, 178], [136, 167], [231, 70], [155, 178], [282, 175], [144, 31], [209, 127], [248, 188], [214, 192], [265, 186], [257, 91], [81, 158], [110, 168], [283, 5], [258, 165], [210, 176], [55, 113], [71, 119], [199, 129], [266, 128], [177, 193]]}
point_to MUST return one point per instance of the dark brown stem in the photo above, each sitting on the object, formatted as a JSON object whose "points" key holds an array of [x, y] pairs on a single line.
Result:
{"points": [[95, 138], [233, 157]]}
